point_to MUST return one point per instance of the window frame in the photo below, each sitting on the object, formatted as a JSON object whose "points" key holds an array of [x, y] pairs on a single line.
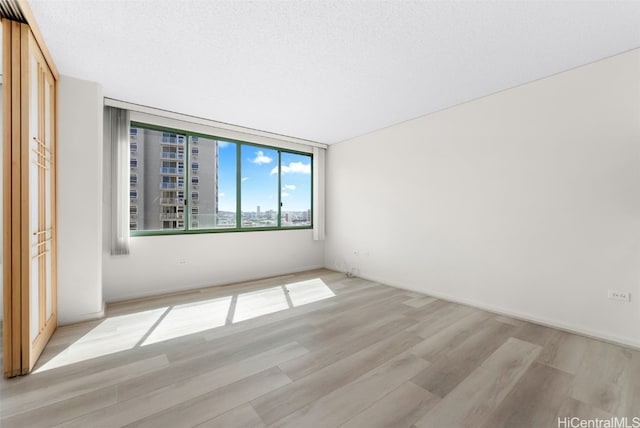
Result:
{"points": [[187, 179]]}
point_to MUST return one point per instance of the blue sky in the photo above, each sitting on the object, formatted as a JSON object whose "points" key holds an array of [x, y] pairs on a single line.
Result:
{"points": [[259, 167]]}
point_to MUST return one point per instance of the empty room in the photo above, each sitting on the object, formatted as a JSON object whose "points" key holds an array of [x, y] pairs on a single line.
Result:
{"points": [[322, 213]]}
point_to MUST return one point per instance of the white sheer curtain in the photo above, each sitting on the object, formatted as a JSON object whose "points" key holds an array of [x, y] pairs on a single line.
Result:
{"points": [[319, 155], [117, 135]]}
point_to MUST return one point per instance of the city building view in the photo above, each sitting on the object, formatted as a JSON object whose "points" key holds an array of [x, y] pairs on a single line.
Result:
{"points": [[180, 182]]}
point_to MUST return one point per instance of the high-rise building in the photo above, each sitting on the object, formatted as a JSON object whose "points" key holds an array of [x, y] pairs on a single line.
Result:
{"points": [[158, 192]]}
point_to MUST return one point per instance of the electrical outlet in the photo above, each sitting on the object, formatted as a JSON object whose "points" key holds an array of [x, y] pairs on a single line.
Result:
{"points": [[182, 261], [619, 295]]}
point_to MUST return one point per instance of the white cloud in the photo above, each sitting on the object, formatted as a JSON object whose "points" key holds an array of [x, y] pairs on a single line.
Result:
{"points": [[294, 168], [289, 187], [285, 194], [261, 158], [244, 179], [223, 144], [221, 194]]}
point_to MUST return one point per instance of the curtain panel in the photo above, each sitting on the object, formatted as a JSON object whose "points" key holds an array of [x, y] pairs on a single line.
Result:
{"points": [[116, 126]]}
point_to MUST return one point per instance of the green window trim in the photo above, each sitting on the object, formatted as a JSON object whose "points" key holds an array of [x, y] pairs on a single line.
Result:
{"points": [[238, 215]]}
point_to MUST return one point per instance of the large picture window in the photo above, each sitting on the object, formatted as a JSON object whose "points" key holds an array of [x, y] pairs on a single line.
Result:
{"points": [[183, 182]]}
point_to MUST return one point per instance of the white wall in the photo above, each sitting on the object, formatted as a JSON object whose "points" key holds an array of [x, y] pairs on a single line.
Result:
{"points": [[526, 202], [79, 200], [160, 264]]}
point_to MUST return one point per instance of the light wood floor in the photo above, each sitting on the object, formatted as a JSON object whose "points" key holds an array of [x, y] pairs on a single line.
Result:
{"points": [[317, 350]]}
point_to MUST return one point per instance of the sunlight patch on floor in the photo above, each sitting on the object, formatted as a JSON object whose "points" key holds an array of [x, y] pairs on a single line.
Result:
{"points": [[190, 318], [261, 302], [312, 290], [112, 335], [124, 332]]}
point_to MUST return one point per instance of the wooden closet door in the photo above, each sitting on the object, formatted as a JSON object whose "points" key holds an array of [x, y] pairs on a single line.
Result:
{"points": [[30, 304], [39, 195]]}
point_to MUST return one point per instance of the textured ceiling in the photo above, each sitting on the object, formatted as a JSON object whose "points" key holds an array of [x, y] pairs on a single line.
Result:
{"points": [[325, 70]]}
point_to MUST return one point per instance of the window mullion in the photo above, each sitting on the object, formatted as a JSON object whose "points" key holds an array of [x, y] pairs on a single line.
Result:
{"points": [[279, 222], [187, 185], [238, 186]]}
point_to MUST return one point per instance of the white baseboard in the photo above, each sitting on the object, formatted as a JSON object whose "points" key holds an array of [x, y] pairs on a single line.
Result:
{"points": [[74, 319]]}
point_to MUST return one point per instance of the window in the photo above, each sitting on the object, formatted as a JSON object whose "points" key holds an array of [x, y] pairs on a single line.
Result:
{"points": [[169, 152], [172, 167], [213, 189], [295, 190], [133, 163], [171, 138], [231, 185], [259, 187]]}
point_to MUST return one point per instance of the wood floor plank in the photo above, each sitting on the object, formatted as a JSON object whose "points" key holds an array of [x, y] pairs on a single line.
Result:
{"points": [[241, 417], [564, 351], [283, 401], [361, 312], [471, 403], [292, 328], [344, 403], [215, 403], [61, 411], [572, 408], [509, 320], [400, 408], [129, 411], [534, 401], [436, 321], [445, 373], [324, 307], [423, 312], [534, 333], [444, 341], [357, 301], [335, 351], [318, 343], [18, 400], [605, 378], [202, 361], [418, 302]]}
